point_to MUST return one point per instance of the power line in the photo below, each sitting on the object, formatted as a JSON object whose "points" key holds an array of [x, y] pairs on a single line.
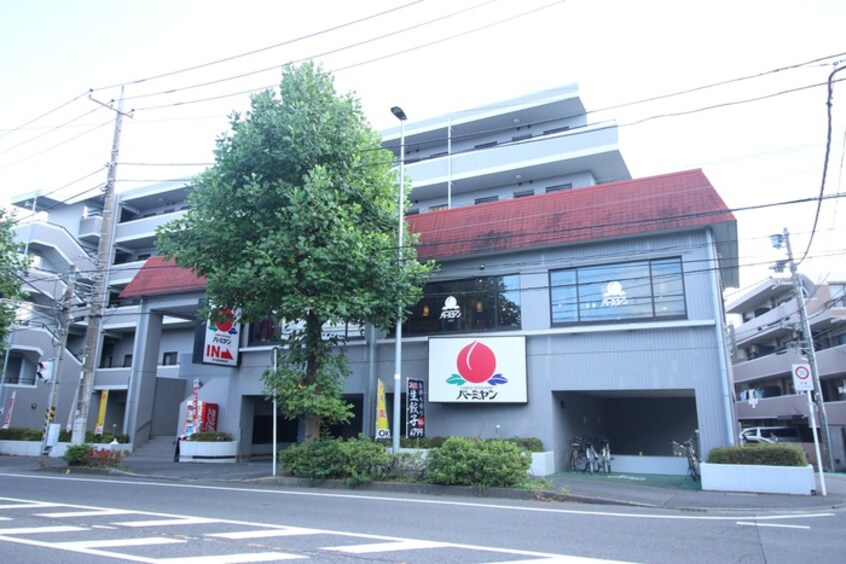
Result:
{"points": [[66, 141], [262, 49], [45, 114], [49, 131]]}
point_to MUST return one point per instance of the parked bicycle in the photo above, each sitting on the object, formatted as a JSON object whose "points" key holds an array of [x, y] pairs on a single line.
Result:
{"points": [[688, 450], [605, 456], [578, 455]]}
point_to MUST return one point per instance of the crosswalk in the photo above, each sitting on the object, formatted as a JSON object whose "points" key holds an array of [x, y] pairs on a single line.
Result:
{"points": [[139, 536]]}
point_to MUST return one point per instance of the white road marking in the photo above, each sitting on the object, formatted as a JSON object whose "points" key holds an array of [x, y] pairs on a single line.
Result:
{"points": [[111, 543], [266, 533], [232, 558], [86, 513], [409, 544], [398, 542], [26, 504], [178, 520], [773, 525], [410, 501], [37, 530]]}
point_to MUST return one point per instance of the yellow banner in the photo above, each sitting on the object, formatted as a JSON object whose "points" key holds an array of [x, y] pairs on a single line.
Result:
{"points": [[101, 415], [382, 429]]}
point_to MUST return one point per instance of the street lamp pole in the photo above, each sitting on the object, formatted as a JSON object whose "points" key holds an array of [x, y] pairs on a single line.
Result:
{"points": [[395, 436]]}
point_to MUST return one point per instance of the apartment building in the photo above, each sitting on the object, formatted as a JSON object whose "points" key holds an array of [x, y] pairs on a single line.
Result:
{"points": [[767, 340], [594, 299]]}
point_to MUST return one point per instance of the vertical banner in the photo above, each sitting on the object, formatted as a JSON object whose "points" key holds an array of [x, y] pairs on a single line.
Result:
{"points": [[195, 420], [101, 414], [382, 430], [8, 418], [415, 427]]}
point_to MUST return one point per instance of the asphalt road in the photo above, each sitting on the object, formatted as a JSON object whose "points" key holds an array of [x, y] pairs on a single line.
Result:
{"points": [[47, 517]]}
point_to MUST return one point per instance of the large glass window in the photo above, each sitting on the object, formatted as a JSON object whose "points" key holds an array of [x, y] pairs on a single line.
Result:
{"points": [[490, 303], [618, 292]]}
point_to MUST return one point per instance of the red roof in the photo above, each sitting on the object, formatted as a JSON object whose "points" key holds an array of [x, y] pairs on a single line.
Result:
{"points": [[159, 276], [668, 202]]}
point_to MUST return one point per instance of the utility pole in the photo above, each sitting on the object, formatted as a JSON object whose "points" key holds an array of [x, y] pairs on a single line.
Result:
{"points": [[807, 342], [104, 253], [55, 381]]}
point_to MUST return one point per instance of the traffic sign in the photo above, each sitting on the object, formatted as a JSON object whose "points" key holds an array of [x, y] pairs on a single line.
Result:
{"points": [[802, 381]]}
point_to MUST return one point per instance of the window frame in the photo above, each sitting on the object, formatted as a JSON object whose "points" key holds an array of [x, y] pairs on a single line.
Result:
{"points": [[576, 304]]}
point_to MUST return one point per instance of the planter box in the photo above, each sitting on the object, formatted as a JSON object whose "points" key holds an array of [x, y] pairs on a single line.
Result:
{"points": [[33, 448], [217, 451], [798, 480], [543, 463]]}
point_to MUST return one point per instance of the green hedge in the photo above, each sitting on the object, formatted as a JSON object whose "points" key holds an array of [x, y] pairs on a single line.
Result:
{"points": [[478, 463], [210, 437], [355, 461], [21, 434], [759, 454], [530, 444]]}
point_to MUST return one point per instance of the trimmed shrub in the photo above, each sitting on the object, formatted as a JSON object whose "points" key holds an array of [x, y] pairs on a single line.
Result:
{"points": [[530, 444], [354, 461], [210, 437], [21, 434], [477, 463], [759, 454], [77, 455]]}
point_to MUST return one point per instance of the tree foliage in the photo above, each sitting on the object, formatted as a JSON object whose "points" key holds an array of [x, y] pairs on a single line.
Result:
{"points": [[297, 219], [12, 264]]}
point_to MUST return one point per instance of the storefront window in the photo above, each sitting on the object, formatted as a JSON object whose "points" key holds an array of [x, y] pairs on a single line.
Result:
{"points": [[269, 331], [490, 303], [618, 292]]}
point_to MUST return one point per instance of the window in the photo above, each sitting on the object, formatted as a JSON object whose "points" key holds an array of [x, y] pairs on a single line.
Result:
{"points": [[559, 187], [838, 295], [127, 361], [486, 199], [521, 137], [487, 145], [524, 193], [556, 130], [169, 358], [438, 207], [652, 289], [490, 303]]}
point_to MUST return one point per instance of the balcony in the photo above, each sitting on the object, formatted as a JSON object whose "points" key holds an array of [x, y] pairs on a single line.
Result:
{"points": [[90, 228], [830, 362], [788, 408], [592, 148], [141, 233], [112, 378], [122, 274]]}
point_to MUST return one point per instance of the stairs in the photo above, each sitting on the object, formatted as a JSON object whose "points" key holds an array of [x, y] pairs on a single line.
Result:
{"points": [[157, 449]]}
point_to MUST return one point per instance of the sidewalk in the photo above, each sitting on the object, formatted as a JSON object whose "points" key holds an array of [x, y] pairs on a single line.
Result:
{"points": [[670, 492]]}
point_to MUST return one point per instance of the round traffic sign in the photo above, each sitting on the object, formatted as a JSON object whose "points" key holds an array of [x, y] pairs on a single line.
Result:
{"points": [[802, 372]]}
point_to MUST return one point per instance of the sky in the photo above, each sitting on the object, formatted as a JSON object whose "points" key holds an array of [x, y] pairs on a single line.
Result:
{"points": [[736, 88]]}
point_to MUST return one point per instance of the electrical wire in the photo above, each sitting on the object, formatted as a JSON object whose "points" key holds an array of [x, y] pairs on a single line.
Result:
{"points": [[49, 131], [57, 145], [829, 105], [45, 114], [262, 49]]}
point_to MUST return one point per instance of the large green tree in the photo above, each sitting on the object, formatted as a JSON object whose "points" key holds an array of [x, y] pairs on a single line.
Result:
{"points": [[298, 219], [12, 264]]}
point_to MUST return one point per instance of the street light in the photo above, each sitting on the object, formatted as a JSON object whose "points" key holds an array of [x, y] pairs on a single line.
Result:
{"points": [[395, 439]]}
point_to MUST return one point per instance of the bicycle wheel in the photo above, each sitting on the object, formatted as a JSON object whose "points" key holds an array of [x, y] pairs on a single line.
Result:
{"points": [[694, 468], [582, 463], [573, 462]]}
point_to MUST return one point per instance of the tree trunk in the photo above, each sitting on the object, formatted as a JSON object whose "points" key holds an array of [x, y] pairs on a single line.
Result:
{"points": [[314, 342]]}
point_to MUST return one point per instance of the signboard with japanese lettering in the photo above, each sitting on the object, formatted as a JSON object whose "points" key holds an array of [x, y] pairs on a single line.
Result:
{"points": [[415, 427], [222, 340], [478, 370]]}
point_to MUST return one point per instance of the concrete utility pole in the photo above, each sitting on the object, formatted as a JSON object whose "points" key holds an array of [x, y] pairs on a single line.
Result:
{"points": [[98, 298], [56, 380], [807, 343]]}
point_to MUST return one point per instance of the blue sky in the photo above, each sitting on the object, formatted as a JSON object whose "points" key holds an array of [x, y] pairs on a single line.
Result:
{"points": [[761, 141]]}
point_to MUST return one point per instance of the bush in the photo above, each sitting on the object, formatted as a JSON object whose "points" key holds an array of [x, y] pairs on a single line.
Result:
{"points": [[759, 454], [477, 463], [21, 434], [530, 444], [354, 461], [210, 436], [89, 455], [77, 455]]}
